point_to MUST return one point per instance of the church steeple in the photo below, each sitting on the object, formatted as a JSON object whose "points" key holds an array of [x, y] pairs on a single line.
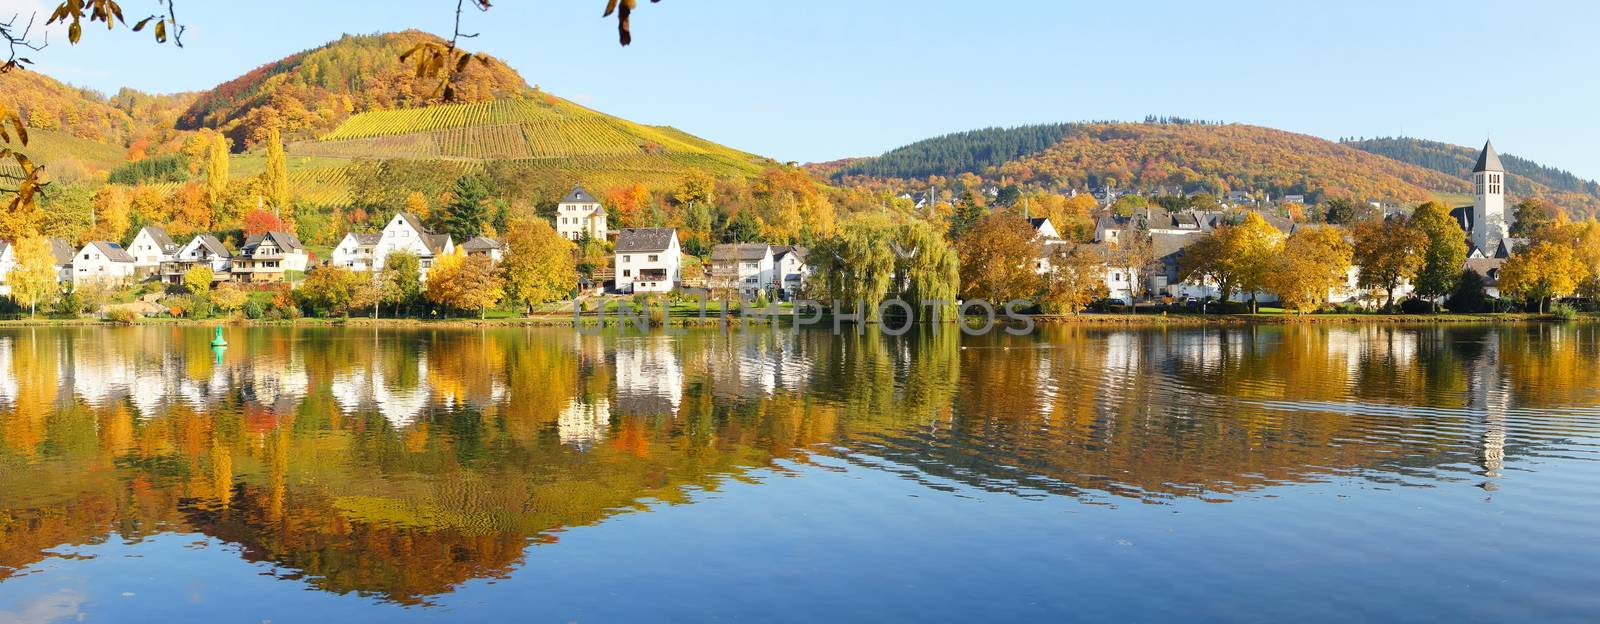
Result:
{"points": [[1490, 224], [1488, 160]]}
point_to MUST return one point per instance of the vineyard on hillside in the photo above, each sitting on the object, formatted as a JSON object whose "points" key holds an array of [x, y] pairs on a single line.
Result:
{"points": [[511, 128]]}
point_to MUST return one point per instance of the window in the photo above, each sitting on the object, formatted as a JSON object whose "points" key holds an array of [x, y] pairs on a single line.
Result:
{"points": [[627, 273], [655, 258], [625, 258]]}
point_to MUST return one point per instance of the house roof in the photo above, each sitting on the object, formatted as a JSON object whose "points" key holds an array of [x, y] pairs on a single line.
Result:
{"points": [[579, 196], [1489, 268], [436, 242], [62, 250], [1488, 160], [112, 251], [367, 238], [482, 243], [1036, 222], [645, 239], [740, 251], [159, 235], [284, 240], [800, 252], [211, 244]]}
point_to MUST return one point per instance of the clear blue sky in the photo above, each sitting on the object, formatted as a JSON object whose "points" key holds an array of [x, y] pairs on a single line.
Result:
{"points": [[822, 79]]}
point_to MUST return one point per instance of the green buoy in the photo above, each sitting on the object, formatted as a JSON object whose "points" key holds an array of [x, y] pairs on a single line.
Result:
{"points": [[219, 341]]}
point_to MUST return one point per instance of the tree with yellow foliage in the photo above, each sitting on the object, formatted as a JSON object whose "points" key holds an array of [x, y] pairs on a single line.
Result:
{"points": [[1313, 261], [1543, 271], [33, 279], [997, 259], [111, 214], [466, 283], [1250, 250], [276, 177], [538, 266], [1389, 251], [1076, 279]]}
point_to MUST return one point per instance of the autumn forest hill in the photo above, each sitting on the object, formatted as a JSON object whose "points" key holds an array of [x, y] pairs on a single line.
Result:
{"points": [[363, 140], [1169, 154]]}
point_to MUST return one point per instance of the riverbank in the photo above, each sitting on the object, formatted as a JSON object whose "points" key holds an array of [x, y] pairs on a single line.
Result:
{"points": [[1092, 319]]}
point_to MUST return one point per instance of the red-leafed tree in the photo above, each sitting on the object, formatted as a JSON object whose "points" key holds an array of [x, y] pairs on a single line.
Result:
{"points": [[261, 221]]}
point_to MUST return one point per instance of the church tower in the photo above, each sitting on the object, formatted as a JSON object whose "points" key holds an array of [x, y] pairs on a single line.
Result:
{"points": [[1489, 223]]}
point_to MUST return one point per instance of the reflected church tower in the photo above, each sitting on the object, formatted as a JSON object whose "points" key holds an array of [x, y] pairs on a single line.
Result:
{"points": [[1490, 400]]}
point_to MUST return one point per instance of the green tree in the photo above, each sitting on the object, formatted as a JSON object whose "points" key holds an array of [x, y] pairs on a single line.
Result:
{"points": [[468, 209], [968, 212], [1341, 211], [925, 269], [329, 291], [401, 280], [1445, 254], [1530, 215], [855, 266]]}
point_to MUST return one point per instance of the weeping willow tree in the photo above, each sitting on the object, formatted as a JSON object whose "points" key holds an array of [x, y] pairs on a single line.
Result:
{"points": [[872, 259], [926, 269]]}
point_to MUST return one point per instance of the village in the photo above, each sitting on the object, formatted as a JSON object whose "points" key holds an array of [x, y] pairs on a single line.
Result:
{"points": [[1135, 258]]}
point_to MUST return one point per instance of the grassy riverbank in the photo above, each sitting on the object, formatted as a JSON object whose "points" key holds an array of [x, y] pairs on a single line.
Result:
{"points": [[692, 319]]}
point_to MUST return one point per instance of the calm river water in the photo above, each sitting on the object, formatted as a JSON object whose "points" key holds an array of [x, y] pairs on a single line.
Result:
{"points": [[1255, 474]]}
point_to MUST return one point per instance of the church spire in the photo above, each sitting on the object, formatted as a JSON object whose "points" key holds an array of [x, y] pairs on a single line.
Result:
{"points": [[1488, 160]]}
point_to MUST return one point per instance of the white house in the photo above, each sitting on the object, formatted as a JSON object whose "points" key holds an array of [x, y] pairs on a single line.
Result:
{"points": [[1043, 228], [203, 250], [790, 268], [1119, 281], [485, 246], [355, 251], [405, 232], [151, 247], [8, 261], [102, 262], [580, 213], [746, 267], [647, 260], [267, 257]]}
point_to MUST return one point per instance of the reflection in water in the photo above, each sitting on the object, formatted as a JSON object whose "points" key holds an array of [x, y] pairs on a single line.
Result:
{"points": [[402, 464]]}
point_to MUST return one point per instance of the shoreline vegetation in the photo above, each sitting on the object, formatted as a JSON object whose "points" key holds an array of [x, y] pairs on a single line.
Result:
{"points": [[824, 322]]}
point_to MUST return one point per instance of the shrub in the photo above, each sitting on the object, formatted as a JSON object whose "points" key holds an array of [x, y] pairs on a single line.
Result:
{"points": [[122, 316], [1414, 305], [1564, 311], [253, 309]]}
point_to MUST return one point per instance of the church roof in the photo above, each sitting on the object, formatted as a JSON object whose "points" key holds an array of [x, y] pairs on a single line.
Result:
{"points": [[1488, 160]]}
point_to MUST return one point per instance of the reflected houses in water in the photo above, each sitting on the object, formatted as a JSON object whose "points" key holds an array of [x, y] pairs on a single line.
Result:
{"points": [[461, 448], [648, 375]]}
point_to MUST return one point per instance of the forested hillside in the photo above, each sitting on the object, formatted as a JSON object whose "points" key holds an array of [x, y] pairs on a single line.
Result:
{"points": [[1524, 177], [1196, 156], [312, 92]]}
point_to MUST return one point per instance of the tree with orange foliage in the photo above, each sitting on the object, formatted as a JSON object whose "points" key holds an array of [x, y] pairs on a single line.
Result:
{"points": [[629, 204], [261, 221], [190, 210]]}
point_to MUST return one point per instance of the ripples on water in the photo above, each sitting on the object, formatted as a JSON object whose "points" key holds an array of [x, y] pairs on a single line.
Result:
{"points": [[436, 471]]}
